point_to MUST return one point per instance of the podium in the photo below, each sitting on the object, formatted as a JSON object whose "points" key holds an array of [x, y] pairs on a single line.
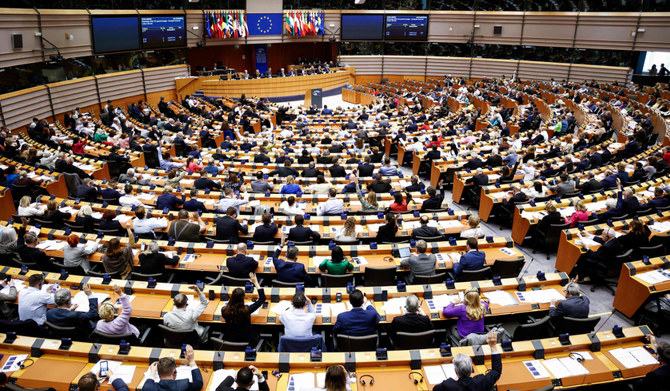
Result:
{"points": [[313, 97]]}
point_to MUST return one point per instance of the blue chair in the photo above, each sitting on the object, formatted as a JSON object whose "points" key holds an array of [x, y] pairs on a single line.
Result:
{"points": [[288, 344]]}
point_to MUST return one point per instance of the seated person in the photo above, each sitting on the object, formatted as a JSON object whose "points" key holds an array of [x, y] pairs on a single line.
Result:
{"points": [[398, 205], [166, 370], [267, 231], [336, 265], [474, 230], [187, 230], [425, 230], [299, 319], [237, 315], [414, 320], [553, 217], [348, 231], [470, 313], [471, 260], [153, 261], [333, 206], [119, 325], [419, 263], [361, 320], [184, 316], [464, 368], [241, 264], [580, 214], [84, 217], [300, 233], [143, 224], [66, 316], [244, 380], [108, 222], [228, 228], [575, 304], [290, 270]]}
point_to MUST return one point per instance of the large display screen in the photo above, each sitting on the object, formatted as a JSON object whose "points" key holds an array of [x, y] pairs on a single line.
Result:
{"points": [[406, 28], [357, 27], [115, 34], [163, 32]]}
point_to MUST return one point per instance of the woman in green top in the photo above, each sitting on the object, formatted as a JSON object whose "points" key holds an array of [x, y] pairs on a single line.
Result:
{"points": [[100, 136], [368, 203], [337, 265]]}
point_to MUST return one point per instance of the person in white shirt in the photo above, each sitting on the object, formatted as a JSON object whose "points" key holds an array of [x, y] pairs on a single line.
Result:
{"points": [[299, 319], [415, 146], [474, 231], [143, 225], [25, 209], [333, 206], [129, 200], [231, 200], [33, 300], [528, 170], [184, 316], [535, 190], [286, 133], [290, 208]]}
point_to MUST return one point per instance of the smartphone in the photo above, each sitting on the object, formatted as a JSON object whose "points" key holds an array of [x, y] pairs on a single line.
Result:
{"points": [[104, 367]]}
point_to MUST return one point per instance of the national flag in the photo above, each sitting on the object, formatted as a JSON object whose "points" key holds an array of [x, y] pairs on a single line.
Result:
{"points": [[244, 23], [287, 24], [214, 20], [207, 28], [231, 25], [219, 25]]}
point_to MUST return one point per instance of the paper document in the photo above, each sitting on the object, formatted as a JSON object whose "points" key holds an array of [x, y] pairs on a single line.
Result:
{"points": [[500, 298], [301, 382], [536, 369], [281, 307], [83, 304], [508, 251], [539, 296], [434, 374], [394, 306], [654, 277], [633, 357], [13, 363]]}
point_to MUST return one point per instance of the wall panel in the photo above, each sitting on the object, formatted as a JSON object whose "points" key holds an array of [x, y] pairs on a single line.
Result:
{"points": [[119, 85], [599, 73], [450, 26], [19, 21], [482, 67], [606, 31], [542, 70], [75, 93], [556, 29], [404, 65], [364, 65], [511, 23], [161, 79], [20, 107], [76, 24], [442, 66], [656, 34]]}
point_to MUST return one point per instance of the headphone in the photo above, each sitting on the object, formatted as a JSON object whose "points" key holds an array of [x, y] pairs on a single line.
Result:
{"points": [[24, 365], [372, 379], [414, 379], [576, 356]]}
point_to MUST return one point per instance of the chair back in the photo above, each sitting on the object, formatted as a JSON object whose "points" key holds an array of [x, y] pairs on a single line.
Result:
{"points": [[430, 238], [266, 243], [145, 277], [554, 235], [345, 242], [507, 268], [289, 344], [435, 279], [379, 276], [43, 223], [537, 330], [58, 332], [15, 387], [232, 281], [284, 284], [73, 226], [332, 281], [422, 340], [176, 338], [113, 339], [228, 346], [365, 343], [113, 232], [77, 270], [215, 240], [653, 251], [574, 326], [475, 275]]}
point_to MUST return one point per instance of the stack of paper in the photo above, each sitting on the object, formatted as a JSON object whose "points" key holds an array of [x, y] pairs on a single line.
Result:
{"points": [[373, 227], [338, 308], [81, 300], [18, 284], [653, 277], [220, 375], [316, 260], [508, 251], [281, 307], [633, 357], [52, 245], [145, 196], [188, 258], [450, 224], [438, 302], [436, 374], [536, 369], [500, 298], [539, 296], [122, 218], [301, 382], [322, 309], [394, 306], [565, 367], [660, 226]]}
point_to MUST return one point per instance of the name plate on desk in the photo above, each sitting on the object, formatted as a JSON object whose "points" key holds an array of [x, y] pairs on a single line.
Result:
{"points": [[267, 270], [311, 269], [434, 315]]}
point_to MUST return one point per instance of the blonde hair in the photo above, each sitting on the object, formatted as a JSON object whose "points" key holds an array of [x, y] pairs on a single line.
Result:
{"points": [[580, 206], [473, 305], [372, 198], [85, 211], [290, 180], [550, 207], [473, 221], [25, 201], [350, 226], [107, 311]]}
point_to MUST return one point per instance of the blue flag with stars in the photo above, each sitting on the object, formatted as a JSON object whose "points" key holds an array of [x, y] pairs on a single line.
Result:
{"points": [[265, 24]]}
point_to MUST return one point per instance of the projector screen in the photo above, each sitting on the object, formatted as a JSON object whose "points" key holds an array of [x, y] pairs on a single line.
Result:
{"points": [[657, 58], [362, 27], [406, 28], [163, 32], [115, 34]]}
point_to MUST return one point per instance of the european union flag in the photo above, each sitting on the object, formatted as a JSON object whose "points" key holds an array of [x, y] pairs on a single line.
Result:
{"points": [[265, 24]]}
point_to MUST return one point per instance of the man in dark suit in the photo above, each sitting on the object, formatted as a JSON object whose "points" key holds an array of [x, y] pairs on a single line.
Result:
{"points": [[337, 171], [110, 193], [228, 228], [574, 306], [591, 185], [193, 205], [87, 191], [414, 320], [326, 110], [305, 157], [659, 200], [241, 265], [494, 159], [433, 154], [267, 231], [434, 201], [65, 316], [379, 186], [361, 320], [416, 185], [610, 180], [473, 259], [261, 157], [290, 270], [168, 200], [284, 171], [463, 367], [311, 171], [366, 169], [478, 180], [166, 369], [300, 233], [244, 380], [153, 261], [474, 162], [205, 183], [424, 230]]}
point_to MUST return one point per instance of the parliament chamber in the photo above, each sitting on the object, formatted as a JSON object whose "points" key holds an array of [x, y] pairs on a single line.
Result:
{"points": [[334, 195]]}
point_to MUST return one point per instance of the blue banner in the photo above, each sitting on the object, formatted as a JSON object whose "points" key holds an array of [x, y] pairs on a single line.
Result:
{"points": [[265, 24], [261, 57]]}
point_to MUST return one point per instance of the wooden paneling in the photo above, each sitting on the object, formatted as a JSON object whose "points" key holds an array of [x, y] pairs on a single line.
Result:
{"points": [[599, 73], [75, 24], [118, 85], [554, 29], [20, 107], [404, 65], [442, 66], [482, 67], [534, 70], [23, 21], [74, 93], [364, 65], [606, 31], [450, 26], [511, 23], [162, 78], [655, 35]]}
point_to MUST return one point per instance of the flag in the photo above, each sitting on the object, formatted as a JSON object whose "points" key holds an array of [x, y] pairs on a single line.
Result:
{"points": [[245, 27], [265, 24], [214, 21], [231, 25], [207, 28], [219, 25], [287, 23]]}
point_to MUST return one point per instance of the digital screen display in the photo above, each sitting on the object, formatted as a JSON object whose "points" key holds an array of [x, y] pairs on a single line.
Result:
{"points": [[115, 34], [163, 32], [356, 27], [406, 28]]}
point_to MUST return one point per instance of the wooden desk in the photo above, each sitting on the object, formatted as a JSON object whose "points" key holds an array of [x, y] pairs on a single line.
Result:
{"points": [[632, 292]]}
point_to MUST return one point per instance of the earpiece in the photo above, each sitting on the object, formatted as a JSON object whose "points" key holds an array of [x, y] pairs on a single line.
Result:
{"points": [[24, 365], [414, 379], [372, 379], [576, 356]]}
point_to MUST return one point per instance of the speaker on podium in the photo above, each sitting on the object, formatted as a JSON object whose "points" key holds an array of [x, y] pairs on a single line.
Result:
{"points": [[313, 98]]}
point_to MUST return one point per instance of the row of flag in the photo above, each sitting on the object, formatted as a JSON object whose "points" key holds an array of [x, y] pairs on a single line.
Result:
{"points": [[304, 23], [226, 24]]}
